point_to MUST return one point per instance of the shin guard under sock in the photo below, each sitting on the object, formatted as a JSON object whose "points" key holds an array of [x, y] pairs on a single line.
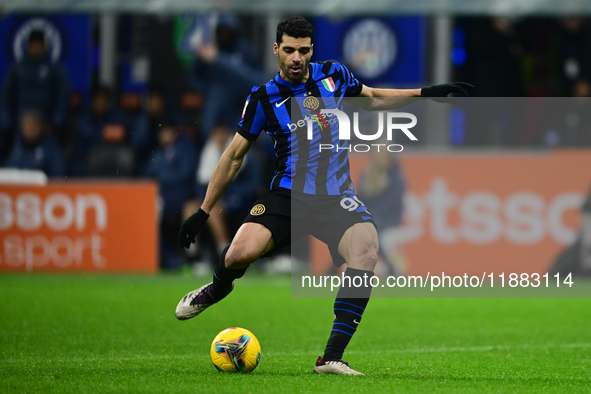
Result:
{"points": [[223, 277], [348, 310]]}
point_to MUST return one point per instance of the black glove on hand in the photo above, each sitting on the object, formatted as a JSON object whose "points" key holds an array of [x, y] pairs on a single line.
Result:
{"points": [[191, 227], [444, 89]]}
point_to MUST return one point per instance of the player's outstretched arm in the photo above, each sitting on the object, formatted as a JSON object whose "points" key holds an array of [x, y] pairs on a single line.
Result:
{"points": [[445, 89], [381, 99], [223, 174], [442, 90], [366, 91], [396, 98]]}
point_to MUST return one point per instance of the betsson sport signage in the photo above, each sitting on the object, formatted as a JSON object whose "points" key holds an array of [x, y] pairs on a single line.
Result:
{"points": [[79, 226]]}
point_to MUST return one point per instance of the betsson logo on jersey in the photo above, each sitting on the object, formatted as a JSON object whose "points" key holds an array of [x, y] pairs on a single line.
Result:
{"points": [[334, 116]]}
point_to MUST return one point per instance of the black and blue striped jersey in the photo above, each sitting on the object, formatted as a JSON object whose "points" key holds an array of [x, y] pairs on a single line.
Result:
{"points": [[301, 166]]}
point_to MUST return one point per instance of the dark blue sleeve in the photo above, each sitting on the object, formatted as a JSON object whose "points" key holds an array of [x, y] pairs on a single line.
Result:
{"points": [[253, 118], [352, 84]]}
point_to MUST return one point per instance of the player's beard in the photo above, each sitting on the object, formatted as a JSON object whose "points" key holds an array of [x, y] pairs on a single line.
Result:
{"points": [[295, 77]]}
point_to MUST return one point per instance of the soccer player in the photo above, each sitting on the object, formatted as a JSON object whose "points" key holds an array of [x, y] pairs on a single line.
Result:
{"points": [[313, 184]]}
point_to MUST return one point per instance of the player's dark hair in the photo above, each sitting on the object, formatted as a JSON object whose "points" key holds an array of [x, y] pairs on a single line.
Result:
{"points": [[294, 26]]}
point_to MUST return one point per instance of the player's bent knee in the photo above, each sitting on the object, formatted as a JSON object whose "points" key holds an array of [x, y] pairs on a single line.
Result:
{"points": [[360, 248], [240, 256], [365, 260], [252, 240]]}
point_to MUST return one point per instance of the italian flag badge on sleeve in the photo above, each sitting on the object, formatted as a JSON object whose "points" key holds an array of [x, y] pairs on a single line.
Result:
{"points": [[328, 84]]}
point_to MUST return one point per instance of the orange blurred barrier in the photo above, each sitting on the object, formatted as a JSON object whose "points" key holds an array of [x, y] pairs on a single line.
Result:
{"points": [[485, 212], [79, 226]]}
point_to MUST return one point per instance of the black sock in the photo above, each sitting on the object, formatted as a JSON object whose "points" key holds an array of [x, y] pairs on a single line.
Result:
{"points": [[223, 277], [348, 309]]}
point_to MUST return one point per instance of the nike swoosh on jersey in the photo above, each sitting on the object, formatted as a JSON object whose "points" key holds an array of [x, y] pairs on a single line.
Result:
{"points": [[281, 103]]}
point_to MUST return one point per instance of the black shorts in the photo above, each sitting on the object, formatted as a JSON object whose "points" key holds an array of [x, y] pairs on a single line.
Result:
{"points": [[291, 216]]}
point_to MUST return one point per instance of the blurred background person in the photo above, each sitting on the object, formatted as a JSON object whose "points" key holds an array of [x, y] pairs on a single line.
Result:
{"points": [[34, 148], [35, 82], [144, 134], [173, 165], [92, 127], [224, 71]]}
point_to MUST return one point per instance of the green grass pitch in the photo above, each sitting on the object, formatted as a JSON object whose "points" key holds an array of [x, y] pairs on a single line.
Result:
{"points": [[77, 334]]}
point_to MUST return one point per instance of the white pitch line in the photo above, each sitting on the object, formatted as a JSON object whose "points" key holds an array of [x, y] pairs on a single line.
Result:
{"points": [[104, 359], [288, 354], [452, 349]]}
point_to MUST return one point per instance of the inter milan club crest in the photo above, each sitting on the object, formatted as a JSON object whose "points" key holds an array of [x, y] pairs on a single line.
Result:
{"points": [[257, 210], [311, 102], [328, 84]]}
